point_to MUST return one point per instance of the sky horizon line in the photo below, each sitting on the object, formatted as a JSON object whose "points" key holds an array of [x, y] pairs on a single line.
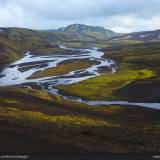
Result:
{"points": [[123, 16], [75, 24]]}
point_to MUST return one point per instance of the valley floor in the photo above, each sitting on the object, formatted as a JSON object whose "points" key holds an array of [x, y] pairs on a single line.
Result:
{"points": [[34, 121]]}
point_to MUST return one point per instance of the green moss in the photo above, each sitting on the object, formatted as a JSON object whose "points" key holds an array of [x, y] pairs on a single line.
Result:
{"points": [[8, 100], [102, 87], [37, 93], [138, 64], [58, 119]]}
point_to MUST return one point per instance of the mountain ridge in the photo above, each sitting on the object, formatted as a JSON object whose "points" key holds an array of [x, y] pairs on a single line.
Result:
{"points": [[141, 36], [80, 32], [96, 32], [14, 41]]}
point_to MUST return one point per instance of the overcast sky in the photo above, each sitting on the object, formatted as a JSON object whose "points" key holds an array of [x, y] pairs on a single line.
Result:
{"points": [[117, 15]]}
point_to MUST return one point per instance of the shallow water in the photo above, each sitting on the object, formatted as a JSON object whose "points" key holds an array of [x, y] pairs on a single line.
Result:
{"points": [[18, 72]]}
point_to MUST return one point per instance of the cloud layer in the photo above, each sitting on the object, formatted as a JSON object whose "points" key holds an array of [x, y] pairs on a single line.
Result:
{"points": [[118, 15]]}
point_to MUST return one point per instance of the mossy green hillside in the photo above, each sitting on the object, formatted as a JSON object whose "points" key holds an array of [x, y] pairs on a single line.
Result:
{"points": [[42, 121], [104, 86], [137, 64]]}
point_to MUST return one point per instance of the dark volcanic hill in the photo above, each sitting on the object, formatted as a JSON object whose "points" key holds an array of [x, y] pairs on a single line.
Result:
{"points": [[92, 32]]}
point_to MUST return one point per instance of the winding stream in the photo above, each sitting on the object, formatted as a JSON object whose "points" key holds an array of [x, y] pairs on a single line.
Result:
{"points": [[18, 72]]}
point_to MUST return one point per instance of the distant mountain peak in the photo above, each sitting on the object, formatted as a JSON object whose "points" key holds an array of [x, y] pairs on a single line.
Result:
{"points": [[82, 27], [94, 32]]}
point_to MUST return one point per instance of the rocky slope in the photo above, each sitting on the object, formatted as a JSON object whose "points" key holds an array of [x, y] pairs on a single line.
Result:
{"points": [[85, 31]]}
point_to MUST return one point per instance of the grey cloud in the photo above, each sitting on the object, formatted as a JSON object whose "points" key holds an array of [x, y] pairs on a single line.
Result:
{"points": [[113, 14]]}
